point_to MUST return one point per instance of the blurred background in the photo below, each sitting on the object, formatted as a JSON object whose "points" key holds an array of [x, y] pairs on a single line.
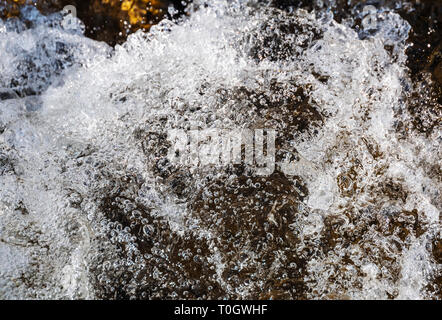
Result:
{"points": [[105, 20], [113, 20]]}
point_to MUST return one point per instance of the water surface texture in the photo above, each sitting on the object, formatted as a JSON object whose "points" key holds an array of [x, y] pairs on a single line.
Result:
{"points": [[91, 207]]}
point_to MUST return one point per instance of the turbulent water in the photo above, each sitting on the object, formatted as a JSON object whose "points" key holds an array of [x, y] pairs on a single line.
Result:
{"points": [[90, 206]]}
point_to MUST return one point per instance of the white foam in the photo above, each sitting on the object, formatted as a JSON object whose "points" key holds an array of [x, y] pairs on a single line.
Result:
{"points": [[91, 109]]}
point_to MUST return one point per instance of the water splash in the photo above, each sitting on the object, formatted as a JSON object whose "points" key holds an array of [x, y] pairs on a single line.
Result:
{"points": [[90, 208]]}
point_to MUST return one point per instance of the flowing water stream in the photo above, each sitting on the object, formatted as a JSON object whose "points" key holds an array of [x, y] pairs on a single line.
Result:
{"points": [[92, 207]]}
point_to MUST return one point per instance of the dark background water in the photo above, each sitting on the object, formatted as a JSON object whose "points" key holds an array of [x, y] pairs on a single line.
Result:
{"points": [[113, 20], [105, 20]]}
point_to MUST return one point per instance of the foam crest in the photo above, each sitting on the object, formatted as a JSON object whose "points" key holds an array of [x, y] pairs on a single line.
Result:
{"points": [[89, 203]]}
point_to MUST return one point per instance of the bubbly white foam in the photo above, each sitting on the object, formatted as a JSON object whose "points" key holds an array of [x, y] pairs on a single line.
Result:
{"points": [[70, 141]]}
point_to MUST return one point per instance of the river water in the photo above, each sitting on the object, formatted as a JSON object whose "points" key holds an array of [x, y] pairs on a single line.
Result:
{"points": [[92, 207]]}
